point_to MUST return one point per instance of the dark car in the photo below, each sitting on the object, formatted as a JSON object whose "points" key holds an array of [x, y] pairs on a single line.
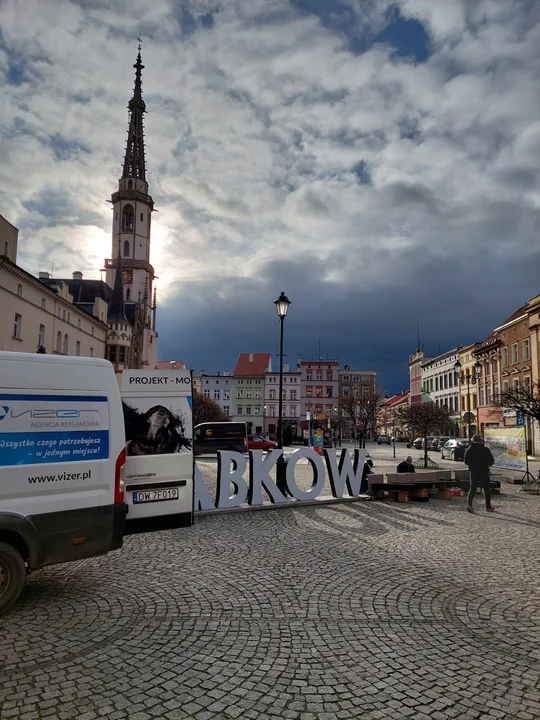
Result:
{"points": [[454, 449], [384, 439], [438, 442], [256, 442]]}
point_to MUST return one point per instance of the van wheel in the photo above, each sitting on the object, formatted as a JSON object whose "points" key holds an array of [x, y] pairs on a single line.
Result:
{"points": [[12, 576]]}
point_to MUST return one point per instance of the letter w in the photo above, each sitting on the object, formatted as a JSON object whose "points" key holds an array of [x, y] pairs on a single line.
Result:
{"points": [[347, 473]]}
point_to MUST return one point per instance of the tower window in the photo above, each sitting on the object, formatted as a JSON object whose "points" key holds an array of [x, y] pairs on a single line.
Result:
{"points": [[128, 294], [130, 184], [142, 217], [126, 248], [127, 218]]}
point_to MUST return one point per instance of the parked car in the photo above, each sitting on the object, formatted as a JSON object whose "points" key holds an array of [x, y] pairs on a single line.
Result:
{"points": [[256, 442], [454, 449], [418, 443], [384, 440], [438, 442]]}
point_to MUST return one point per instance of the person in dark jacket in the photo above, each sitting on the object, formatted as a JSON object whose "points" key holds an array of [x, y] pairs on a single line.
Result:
{"points": [[479, 459], [406, 466]]}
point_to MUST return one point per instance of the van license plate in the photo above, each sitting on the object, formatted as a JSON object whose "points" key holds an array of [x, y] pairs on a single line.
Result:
{"points": [[155, 495]]}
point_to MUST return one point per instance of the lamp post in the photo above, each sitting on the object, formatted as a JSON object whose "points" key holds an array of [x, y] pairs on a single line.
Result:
{"points": [[470, 379], [282, 308]]}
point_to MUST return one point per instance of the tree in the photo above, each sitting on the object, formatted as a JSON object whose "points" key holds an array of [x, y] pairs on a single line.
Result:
{"points": [[425, 418], [206, 410], [521, 398], [362, 410]]}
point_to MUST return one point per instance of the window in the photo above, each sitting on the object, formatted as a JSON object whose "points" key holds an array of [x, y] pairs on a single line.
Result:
{"points": [[6, 248], [505, 385], [318, 391], [355, 378], [346, 378], [91, 352], [127, 218], [226, 394], [257, 393], [79, 323], [130, 184], [319, 375], [345, 392], [77, 348], [527, 349], [125, 252], [111, 352], [142, 217], [488, 395], [59, 311], [366, 378], [41, 336], [527, 383], [43, 304], [272, 410], [206, 393], [239, 409], [436, 383], [450, 380], [249, 393], [481, 396], [329, 375], [216, 394], [257, 410], [309, 375], [329, 392], [66, 344], [446, 382], [293, 411], [515, 353], [239, 393], [128, 294], [248, 409], [515, 383], [293, 394], [366, 393], [309, 390], [272, 394], [495, 390], [505, 357], [63, 314], [17, 326], [19, 290], [122, 355], [58, 342], [355, 392], [226, 409]]}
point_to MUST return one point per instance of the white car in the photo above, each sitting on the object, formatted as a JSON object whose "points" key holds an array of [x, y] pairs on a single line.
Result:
{"points": [[384, 440]]}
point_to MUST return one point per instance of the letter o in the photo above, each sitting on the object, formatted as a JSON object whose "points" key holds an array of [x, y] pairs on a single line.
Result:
{"points": [[316, 463]]}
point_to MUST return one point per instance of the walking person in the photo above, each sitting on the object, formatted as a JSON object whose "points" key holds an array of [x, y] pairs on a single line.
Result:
{"points": [[479, 459]]}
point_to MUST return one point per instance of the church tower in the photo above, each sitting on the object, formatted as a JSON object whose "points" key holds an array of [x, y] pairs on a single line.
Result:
{"points": [[132, 214]]}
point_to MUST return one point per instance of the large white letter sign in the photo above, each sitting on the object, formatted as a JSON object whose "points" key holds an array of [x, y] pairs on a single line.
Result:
{"points": [[347, 473], [259, 477], [318, 474], [226, 458], [203, 501]]}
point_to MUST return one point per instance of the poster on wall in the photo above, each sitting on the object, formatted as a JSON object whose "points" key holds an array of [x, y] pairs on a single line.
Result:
{"points": [[158, 423], [507, 446]]}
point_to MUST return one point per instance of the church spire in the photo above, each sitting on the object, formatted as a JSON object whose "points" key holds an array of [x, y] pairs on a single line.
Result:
{"points": [[117, 310], [134, 161]]}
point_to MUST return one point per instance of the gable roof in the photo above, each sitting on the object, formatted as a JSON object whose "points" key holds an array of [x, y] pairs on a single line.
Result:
{"points": [[252, 364]]}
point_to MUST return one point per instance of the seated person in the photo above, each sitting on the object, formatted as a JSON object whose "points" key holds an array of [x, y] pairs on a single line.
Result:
{"points": [[406, 466]]}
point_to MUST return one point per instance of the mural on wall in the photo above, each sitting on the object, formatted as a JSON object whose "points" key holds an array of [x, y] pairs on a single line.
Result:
{"points": [[233, 489]]}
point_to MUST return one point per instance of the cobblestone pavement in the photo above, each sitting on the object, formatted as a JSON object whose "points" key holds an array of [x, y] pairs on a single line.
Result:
{"points": [[363, 610]]}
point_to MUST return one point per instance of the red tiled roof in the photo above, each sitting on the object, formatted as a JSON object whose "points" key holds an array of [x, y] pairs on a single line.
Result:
{"points": [[516, 314], [395, 399], [256, 367], [170, 365]]}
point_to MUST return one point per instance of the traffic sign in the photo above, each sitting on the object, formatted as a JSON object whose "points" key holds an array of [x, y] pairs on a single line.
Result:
{"points": [[468, 418]]}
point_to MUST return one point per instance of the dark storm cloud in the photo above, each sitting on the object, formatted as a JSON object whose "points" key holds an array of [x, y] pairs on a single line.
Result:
{"points": [[375, 159]]}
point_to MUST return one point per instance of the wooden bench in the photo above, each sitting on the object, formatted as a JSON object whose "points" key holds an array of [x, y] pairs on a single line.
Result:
{"points": [[422, 485]]}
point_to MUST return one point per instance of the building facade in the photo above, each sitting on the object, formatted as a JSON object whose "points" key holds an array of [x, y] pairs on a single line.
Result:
{"points": [[249, 375], [416, 377], [220, 388], [440, 384], [388, 418], [38, 315], [319, 392], [489, 381], [291, 401]]}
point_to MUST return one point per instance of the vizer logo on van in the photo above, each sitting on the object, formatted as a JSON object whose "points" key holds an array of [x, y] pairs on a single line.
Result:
{"points": [[3, 411], [46, 414]]}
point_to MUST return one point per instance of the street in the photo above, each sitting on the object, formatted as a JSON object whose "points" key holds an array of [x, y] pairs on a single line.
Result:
{"points": [[362, 610]]}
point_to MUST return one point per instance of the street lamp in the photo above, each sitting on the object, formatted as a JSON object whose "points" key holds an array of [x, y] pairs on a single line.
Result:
{"points": [[469, 378], [282, 308]]}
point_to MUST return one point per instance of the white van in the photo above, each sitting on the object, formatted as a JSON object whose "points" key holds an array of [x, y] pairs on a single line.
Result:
{"points": [[62, 450]]}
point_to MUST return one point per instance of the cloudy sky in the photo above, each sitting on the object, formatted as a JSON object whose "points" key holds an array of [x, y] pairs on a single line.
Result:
{"points": [[376, 160]]}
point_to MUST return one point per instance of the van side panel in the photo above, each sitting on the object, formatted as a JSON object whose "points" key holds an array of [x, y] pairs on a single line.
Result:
{"points": [[61, 432]]}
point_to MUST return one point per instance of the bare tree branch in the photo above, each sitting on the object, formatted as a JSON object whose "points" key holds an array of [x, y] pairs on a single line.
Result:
{"points": [[206, 410], [362, 409], [425, 418], [522, 398]]}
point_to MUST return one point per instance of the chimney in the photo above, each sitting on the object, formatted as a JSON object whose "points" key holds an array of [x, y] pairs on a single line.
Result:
{"points": [[43, 275], [77, 275], [250, 357]]}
